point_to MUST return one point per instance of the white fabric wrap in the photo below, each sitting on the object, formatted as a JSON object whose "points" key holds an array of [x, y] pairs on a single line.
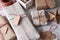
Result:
{"points": [[25, 30]]}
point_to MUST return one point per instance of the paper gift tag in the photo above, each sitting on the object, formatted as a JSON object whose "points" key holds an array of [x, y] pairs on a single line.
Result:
{"points": [[25, 22], [38, 17]]}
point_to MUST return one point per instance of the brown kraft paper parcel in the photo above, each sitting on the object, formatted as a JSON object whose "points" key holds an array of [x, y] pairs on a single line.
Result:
{"points": [[44, 4]]}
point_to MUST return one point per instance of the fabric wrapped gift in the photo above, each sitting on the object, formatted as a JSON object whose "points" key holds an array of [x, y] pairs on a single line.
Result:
{"points": [[14, 19], [25, 24], [50, 32], [26, 3], [44, 4], [38, 17], [6, 31]]}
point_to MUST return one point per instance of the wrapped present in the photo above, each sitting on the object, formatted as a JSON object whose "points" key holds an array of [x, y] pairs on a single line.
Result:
{"points": [[25, 23], [14, 20], [44, 4], [38, 17], [26, 3], [6, 31], [54, 16]]}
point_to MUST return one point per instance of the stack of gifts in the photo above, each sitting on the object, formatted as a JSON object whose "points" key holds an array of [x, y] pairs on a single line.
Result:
{"points": [[22, 27], [20, 23]]}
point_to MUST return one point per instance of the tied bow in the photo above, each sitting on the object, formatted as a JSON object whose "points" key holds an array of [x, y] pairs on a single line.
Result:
{"points": [[41, 17], [54, 16], [17, 18]]}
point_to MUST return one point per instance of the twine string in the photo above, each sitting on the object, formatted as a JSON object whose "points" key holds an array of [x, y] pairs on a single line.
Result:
{"points": [[51, 28]]}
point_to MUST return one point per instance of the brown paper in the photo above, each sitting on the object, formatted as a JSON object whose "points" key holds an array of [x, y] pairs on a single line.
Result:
{"points": [[44, 4], [40, 4], [51, 3]]}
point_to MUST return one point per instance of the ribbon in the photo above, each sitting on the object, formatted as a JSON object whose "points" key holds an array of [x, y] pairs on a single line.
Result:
{"points": [[39, 17], [51, 28]]}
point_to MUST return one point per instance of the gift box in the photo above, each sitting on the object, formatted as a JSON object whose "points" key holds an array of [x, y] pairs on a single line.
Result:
{"points": [[38, 17], [25, 24], [14, 21], [5, 29], [44, 4], [27, 4]]}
